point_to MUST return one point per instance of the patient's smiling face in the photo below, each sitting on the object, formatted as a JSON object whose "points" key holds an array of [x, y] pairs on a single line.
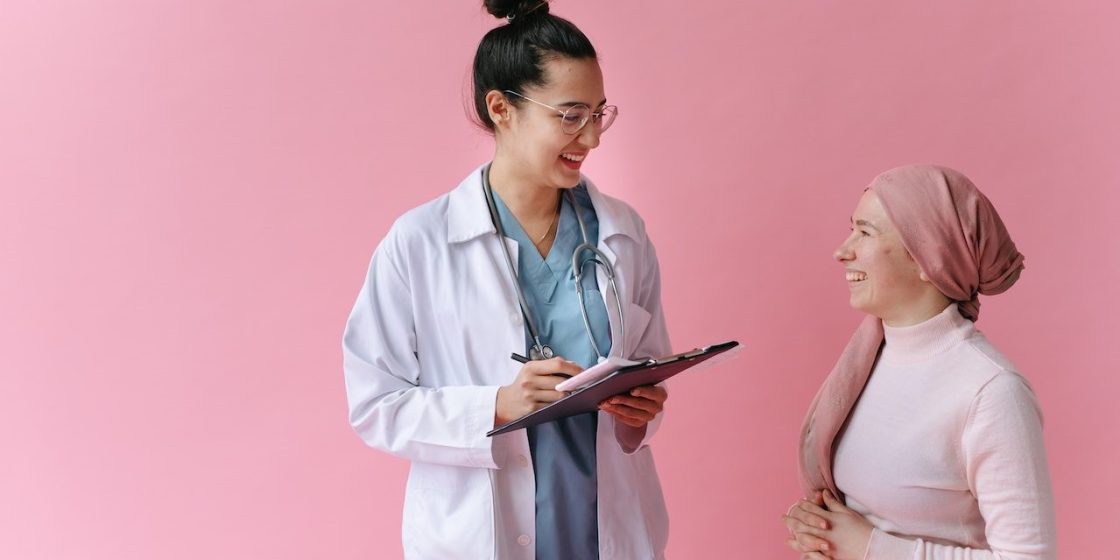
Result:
{"points": [[883, 279]]}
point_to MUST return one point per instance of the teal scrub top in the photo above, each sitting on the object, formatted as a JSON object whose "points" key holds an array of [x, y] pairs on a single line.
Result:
{"points": [[563, 451]]}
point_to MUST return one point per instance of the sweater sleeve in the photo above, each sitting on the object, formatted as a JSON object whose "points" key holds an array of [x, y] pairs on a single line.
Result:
{"points": [[1005, 462]]}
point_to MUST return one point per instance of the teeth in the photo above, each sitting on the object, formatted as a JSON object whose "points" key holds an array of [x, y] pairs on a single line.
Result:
{"points": [[856, 276], [572, 157]]}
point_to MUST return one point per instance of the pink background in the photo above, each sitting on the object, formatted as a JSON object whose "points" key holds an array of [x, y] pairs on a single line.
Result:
{"points": [[191, 192]]}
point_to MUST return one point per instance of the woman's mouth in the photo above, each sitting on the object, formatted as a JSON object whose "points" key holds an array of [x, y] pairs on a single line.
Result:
{"points": [[572, 161]]}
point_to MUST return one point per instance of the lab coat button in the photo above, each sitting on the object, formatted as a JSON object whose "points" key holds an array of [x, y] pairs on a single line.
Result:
{"points": [[524, 540], [515, 318], [521, 460]]}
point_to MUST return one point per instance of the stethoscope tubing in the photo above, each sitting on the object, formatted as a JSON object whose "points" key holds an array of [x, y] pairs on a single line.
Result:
{"points": [[541, 351]]}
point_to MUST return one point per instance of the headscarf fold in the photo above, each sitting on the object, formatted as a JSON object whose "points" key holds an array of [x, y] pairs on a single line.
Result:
{"points": [[959, 241]]}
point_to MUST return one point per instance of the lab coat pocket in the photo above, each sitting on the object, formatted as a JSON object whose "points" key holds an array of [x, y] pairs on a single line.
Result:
{"points": [[447, 512]]}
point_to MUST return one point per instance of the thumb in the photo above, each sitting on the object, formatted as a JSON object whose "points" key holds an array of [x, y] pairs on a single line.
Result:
{"points": [[832, 502]]}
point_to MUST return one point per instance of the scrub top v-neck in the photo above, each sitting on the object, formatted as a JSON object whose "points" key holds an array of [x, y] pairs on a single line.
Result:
{"points": [[563, 451]]}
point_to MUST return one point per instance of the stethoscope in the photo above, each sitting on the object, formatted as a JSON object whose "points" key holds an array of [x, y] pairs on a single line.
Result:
{"points": [[539, 350]]}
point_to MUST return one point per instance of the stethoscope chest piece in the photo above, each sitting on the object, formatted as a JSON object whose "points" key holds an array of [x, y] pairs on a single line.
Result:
{"points": [[541, 352]]}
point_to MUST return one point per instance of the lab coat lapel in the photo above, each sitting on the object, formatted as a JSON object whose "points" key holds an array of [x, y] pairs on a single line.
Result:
{"points": [[468, 216]]}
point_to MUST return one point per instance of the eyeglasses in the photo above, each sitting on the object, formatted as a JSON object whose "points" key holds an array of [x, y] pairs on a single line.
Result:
{"points": [[577, 116]]}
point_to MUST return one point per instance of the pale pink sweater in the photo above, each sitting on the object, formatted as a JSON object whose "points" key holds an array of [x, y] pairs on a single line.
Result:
{"points": [[943, 451]]}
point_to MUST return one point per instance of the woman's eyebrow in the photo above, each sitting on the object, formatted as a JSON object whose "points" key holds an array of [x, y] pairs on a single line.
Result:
{"points": [[865, 223], [570, 103]]}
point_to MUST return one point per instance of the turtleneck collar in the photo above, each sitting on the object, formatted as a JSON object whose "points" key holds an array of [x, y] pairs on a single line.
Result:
{"points": [[926, 339]]}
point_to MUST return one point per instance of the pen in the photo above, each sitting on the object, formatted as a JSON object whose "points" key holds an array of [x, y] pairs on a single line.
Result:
{"points": [[519, 358]]}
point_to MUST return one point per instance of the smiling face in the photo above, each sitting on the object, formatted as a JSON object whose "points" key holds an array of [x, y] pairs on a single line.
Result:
{"points": [[530, 136], [883, 279]]}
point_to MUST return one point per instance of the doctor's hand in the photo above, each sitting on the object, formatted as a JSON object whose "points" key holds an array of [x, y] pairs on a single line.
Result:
{"points": [[534, 387], [637, 408]]}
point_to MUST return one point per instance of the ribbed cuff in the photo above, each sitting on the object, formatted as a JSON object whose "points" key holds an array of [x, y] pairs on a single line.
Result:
{"points": [[885, 546]]}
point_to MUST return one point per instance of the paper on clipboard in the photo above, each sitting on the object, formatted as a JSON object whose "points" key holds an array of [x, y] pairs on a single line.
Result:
{"points": [[594, 373], [587, 397]]}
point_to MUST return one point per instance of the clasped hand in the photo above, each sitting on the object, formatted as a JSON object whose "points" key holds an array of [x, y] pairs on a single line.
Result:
{"points": [[826, 529]]}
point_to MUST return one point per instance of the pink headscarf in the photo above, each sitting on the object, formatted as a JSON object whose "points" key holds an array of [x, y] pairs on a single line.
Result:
{"points": [[957, 238]]}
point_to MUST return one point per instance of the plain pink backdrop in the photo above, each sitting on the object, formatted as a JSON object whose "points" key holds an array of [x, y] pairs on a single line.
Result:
{"points": [[192, 190]]}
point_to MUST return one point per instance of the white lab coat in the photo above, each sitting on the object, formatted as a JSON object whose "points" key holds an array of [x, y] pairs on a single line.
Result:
{"points": [[428, 344]]}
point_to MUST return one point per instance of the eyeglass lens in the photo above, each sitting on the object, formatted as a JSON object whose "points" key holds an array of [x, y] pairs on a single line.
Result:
{"points": [[577, 116]]}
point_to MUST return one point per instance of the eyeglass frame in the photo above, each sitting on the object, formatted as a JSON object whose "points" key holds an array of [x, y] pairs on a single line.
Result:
{"points": [[591, 114]]}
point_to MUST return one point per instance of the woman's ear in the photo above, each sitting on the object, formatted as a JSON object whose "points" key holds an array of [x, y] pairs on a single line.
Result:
{"points": [[921, 273], [498, 107]]}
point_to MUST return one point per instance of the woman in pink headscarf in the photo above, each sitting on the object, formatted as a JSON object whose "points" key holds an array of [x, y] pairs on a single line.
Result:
{"points": [[924, 442]]}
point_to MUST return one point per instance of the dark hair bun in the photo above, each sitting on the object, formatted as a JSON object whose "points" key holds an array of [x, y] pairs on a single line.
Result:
{"points": [[513, 57], [515, 8]]}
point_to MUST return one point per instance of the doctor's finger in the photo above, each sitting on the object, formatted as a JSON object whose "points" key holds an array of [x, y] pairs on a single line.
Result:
{"points": [[630, 416], [654, 393], [545, 382], [552, 366], [546, 396], [639, 403]]}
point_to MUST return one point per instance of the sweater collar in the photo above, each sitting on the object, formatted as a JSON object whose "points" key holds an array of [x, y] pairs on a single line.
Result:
{"points": [[927, 339]]}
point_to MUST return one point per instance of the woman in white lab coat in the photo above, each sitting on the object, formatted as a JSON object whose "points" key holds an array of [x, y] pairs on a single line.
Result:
{"points": [[445, 302]]}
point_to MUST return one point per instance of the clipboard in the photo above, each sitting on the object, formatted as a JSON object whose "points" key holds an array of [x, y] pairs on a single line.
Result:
{"points": [[587, 398]]}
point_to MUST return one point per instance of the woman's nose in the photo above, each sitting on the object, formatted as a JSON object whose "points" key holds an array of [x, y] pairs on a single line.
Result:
{"points": [[589, 136], [844, 251]]}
